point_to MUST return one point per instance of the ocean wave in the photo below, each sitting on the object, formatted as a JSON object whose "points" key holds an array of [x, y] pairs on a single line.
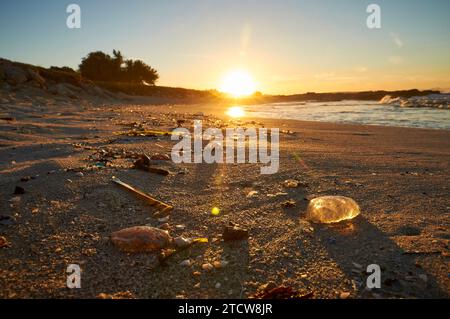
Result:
{"points": [[439, 101]]}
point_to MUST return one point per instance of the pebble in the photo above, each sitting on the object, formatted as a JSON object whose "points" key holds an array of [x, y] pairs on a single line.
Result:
{"points": [[79, 174], [218, 285], [3, 242], [344, 295], [181, 242], [220, 264], [252, 194], [186, 263], [207, 267], [164, 219]]}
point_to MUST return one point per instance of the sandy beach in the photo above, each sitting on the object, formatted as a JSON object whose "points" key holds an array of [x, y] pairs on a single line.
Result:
{"points": [[63, 158]]}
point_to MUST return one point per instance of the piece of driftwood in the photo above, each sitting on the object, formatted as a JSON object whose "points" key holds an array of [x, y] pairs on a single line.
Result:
{"points": [[163, 207]]}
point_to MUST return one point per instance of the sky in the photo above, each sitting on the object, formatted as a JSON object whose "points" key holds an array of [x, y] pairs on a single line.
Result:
{"points": [[288, 46]]}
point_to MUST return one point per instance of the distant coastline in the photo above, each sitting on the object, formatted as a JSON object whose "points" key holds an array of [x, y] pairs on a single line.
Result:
{"points": [[58, 81]]}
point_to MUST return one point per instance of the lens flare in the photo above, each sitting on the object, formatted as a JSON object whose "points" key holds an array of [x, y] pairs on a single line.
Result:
{"points": [[235, 111]]}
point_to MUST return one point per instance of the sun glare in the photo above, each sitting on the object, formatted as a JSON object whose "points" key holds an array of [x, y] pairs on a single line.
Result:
{"points": [[238, 83], [235, 111]]}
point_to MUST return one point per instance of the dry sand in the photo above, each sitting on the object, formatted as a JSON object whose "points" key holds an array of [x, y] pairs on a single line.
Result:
{"points": [[400, 177]]}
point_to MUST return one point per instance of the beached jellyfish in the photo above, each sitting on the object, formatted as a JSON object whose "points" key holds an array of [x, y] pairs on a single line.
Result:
{"points": [[332, 209]]}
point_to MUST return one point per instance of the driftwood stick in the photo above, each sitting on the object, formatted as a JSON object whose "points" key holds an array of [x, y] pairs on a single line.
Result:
{"points": [[153, 202]]}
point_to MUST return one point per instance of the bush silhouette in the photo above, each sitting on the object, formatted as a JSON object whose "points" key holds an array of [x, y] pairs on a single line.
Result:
{"points": [[99, 66]]}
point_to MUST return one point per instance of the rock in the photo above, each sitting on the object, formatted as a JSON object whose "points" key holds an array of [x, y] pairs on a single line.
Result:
{"points": [[331, 209], [252, 194], [164, 219], [268, 286], [207, 267], [234, 232], [218, 285], [141, 239], [344, 295], [7, 220], [19, 190], [288, 203], [186, 263], [424, 277], [3, 242], [79, 174], [220, 264], [15, 200], [292, 183], [182, 242]]}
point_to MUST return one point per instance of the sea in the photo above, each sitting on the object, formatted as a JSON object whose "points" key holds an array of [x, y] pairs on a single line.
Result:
{"points": [[431, 111]]}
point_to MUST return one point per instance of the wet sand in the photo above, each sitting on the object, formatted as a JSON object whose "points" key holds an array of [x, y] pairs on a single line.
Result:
{"points": [[399, 177]]}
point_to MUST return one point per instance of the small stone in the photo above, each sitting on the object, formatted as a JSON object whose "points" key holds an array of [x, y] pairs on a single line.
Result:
{"points": [[424, 277], [344, 295], [357, 265], [19, 190], [197, 285], [15, 199], [268, 286], [288, 203], [220, 264], [252, 194], [291, 183], [234, 232], [164, 219], [79, 174], [6, 220], [218, 285], [182, 242], [196, 273], [207, 267], [3, 242], [186, 263]]}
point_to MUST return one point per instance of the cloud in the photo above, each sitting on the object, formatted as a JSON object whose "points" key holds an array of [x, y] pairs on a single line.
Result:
{"points": [[396, 59], [397, 40]]}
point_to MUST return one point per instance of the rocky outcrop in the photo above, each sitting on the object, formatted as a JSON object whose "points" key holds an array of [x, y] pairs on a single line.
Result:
{"points": [[23, 82]]}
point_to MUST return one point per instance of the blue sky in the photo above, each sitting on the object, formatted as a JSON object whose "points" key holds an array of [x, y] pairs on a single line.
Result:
{"points": [[288, 46]]}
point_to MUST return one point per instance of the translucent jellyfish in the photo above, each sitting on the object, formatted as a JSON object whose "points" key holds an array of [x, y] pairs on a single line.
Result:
{"points": [[332, 209]]}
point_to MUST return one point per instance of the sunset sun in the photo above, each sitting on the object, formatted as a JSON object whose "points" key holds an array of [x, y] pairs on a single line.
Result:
{"points": [[238, 83]]}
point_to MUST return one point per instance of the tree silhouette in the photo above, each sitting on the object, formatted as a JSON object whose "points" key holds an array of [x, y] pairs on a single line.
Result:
{"points": [[99, 66]]}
